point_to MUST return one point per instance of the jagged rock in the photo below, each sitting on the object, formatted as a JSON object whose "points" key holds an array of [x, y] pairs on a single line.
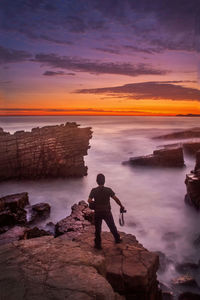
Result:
{"points": [[80, 220], [189, 296], [129, 267], [172, 157], [14, 201], [184, 280], [12, 210], [48, 268], [50, 151], [189, 147], [14, 234], [38, 212], [34, 232], [193, 185], [184, 134]]}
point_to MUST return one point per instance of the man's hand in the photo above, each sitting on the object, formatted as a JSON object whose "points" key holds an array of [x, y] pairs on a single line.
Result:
{"points": [[89, 200]]}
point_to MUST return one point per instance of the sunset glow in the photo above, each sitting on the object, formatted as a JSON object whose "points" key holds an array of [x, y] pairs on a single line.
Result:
{"points": [[99, 58]]}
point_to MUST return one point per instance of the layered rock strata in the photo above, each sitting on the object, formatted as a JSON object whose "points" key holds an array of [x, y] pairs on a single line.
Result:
{"points": [[193, 185], [172, 157], [184, 134], [50, 151]]}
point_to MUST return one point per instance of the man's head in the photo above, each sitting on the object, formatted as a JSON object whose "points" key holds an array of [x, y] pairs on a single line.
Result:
{"points": [[100, 179]]}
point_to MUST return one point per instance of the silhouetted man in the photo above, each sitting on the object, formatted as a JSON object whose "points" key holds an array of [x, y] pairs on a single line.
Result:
{"points": [[102, 208]]}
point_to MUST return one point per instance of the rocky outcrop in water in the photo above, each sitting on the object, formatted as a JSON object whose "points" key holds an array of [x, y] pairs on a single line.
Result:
{"points": [[184, 134], [172, 157], [15, 221], [68, 267], [193, 185], [50, 151]]}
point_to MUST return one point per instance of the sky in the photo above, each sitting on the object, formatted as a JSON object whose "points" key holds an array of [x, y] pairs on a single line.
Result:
{"points": [[99, 57]]}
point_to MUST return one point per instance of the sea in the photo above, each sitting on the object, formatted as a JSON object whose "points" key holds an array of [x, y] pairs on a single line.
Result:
{"points": [[153, 197]]}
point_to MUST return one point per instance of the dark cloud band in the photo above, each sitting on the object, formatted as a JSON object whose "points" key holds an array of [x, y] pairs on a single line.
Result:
{"points": [[148, 90]]}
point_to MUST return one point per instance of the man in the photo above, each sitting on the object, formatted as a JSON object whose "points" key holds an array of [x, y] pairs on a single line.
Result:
{"points": [[102, 208]]}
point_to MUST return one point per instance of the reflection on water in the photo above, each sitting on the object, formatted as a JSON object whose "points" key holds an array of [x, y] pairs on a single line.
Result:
{"points": [[154, 198]]}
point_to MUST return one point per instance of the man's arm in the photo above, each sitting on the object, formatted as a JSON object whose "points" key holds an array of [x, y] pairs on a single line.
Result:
{"points": [[117, 201]]}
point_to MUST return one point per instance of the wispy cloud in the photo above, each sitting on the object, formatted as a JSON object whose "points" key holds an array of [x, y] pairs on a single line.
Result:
{"points": [[96, 67], [12, 55], [67, 110], [148, 90], [57, 73]]}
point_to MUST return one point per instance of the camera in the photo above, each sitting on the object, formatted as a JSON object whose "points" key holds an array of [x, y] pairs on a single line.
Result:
{"points": [[122, 210]]}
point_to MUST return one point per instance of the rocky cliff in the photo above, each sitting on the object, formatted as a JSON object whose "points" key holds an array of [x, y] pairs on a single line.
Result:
{"points": [[50, 151], [193, 184], [68, 266]]}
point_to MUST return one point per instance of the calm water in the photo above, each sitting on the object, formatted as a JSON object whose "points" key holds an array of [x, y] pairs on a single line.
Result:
{"points": [[154, 198]]}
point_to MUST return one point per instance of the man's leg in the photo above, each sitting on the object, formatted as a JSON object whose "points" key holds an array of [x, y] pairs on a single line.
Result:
{"points": [[98, 223], [111, 224]]}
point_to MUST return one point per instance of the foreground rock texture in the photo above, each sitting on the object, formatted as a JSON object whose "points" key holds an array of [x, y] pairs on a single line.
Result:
{"points": [[50, 151], [172, 157], [193, 185], [68, 267]]}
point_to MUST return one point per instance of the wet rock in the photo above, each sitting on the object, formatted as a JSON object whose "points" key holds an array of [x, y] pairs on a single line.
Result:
{"points": [[38, 212], [50, 151], [80, 220], [34, 232], [14, 234], [14, 202], [172, 157], [184, 280], [184, 134], [186, 267], [50, 227], [192, 147], [12, 210], [192, 182], [189, 296]]}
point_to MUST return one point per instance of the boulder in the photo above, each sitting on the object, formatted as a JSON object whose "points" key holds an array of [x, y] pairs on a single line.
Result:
{"points": [[172, 157], [34, 232], [80, 220], [12, 210], [14, 202], [39, 212]]}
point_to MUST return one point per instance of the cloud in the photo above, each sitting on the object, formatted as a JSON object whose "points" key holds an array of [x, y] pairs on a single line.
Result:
{"points": [[52, 73], [12, 55], [148, 90], [96, 67], [108, 50], [58, 110]]}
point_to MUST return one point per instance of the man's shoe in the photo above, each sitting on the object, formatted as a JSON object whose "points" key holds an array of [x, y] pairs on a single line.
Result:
{"points": [[118, 241], [98, 247]]}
